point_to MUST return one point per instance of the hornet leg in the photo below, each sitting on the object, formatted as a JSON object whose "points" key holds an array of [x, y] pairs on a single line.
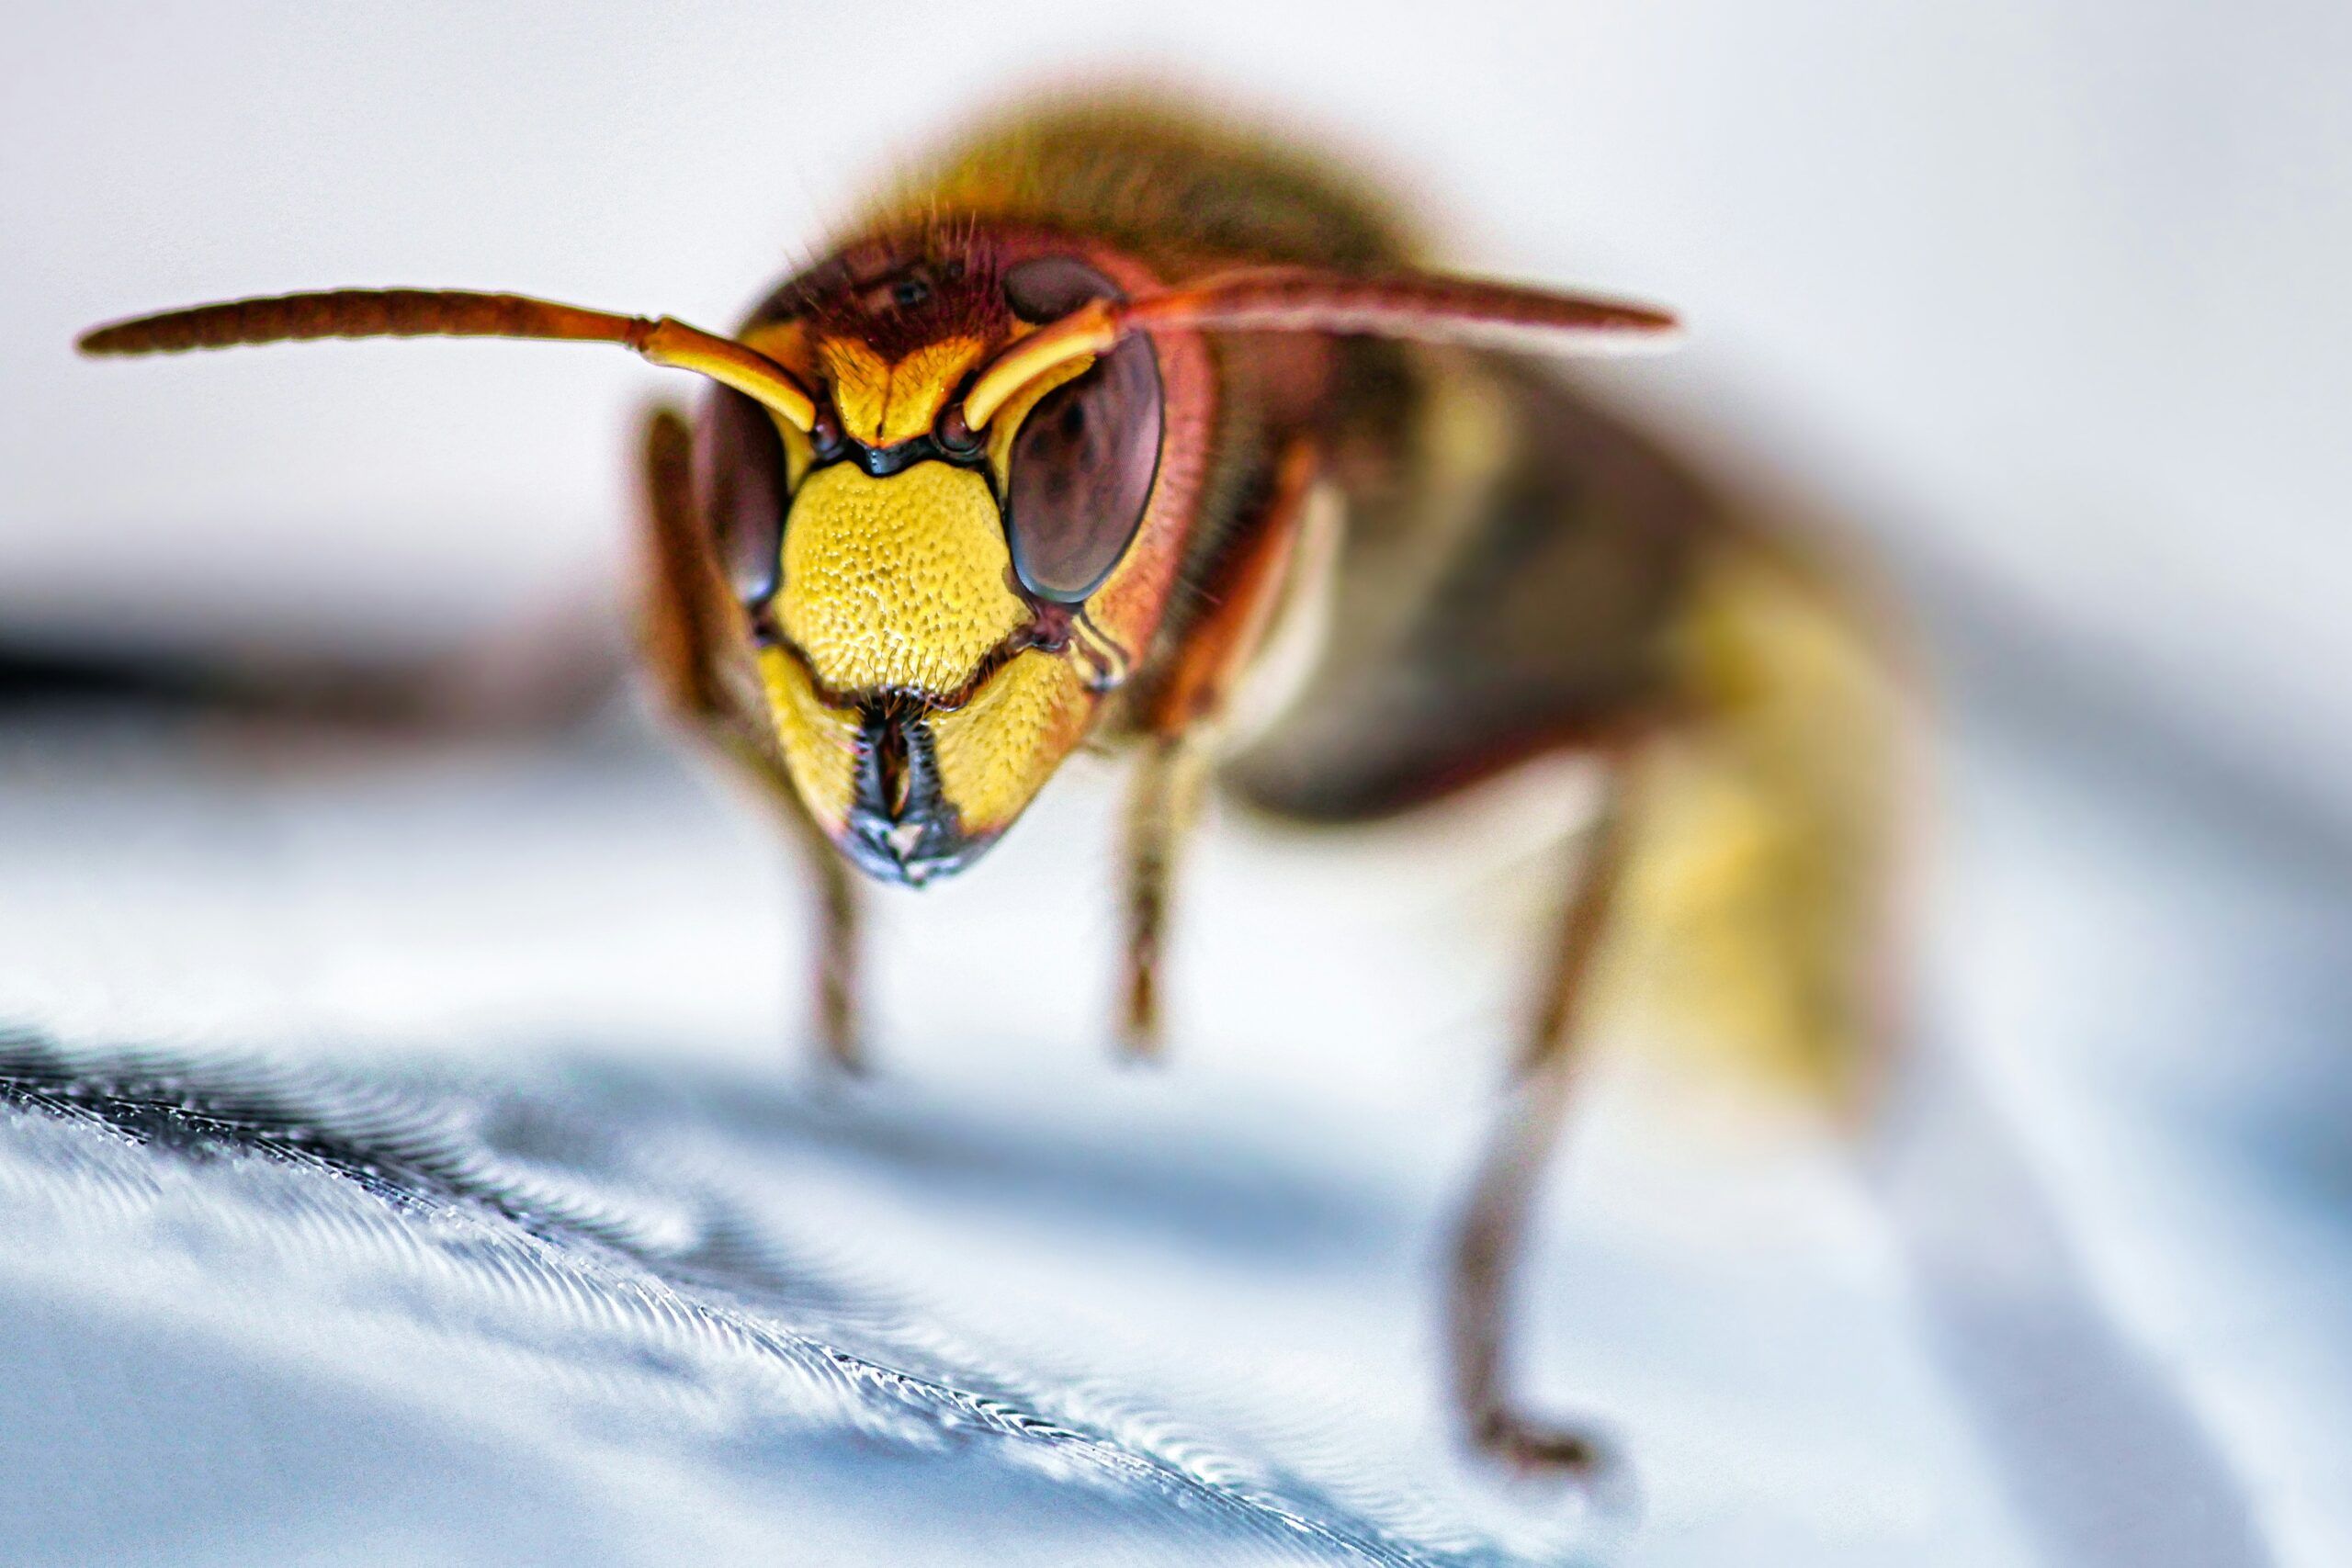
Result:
{"points": [[1180, 718], [1493, 1228], [681, 628]]}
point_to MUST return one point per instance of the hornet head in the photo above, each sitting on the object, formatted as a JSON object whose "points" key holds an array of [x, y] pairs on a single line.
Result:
{"points": [[941, 598]]}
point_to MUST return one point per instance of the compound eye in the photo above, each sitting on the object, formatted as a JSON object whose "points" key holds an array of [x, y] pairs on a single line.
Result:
{"points": [[739, 471], [1082, 462]]}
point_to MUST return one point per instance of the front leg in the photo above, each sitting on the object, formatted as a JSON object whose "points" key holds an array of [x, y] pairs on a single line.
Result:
{"points": [[1163, 801], [1180, 716], [701, 661], [839, 921]]}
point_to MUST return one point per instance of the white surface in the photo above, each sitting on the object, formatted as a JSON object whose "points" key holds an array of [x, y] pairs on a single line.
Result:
{"points": [[2085, 1323]]}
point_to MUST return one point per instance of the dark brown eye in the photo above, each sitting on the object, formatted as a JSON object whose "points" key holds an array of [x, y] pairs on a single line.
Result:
{"points": [[738, 470], [1083, 460]]}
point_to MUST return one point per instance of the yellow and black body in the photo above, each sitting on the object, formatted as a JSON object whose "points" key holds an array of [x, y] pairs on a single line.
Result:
{"points": [[1122, 429]]}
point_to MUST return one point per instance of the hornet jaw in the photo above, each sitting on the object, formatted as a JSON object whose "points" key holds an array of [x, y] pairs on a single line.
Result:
{"points": [[900, 827]]}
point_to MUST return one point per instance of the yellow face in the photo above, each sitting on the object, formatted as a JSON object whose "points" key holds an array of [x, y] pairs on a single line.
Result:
{"points": [[915, 722]]}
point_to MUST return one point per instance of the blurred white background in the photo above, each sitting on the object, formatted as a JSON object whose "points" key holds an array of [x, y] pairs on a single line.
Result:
{"points": [[2047, 289]]}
